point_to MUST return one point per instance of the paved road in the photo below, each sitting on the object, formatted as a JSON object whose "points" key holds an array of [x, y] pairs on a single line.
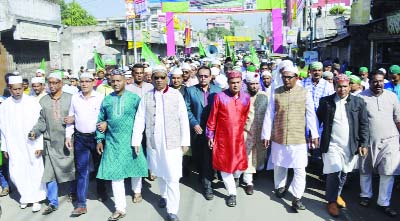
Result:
{"points": [[263, 205]]}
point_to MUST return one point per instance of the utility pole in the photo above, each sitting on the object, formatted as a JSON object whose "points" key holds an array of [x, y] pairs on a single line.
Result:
{"points": [[134, 40]]}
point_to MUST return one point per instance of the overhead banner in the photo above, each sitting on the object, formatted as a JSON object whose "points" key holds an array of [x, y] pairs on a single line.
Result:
{"points": [[236, 38], [214, 6], [360, 12]]}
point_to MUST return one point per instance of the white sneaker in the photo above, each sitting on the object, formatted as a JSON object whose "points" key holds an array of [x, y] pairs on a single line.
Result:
{"points": [[36, 207], [23, 205]]}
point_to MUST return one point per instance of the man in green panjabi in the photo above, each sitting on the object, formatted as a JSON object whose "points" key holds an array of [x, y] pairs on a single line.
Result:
{"points": [[120, 160]]}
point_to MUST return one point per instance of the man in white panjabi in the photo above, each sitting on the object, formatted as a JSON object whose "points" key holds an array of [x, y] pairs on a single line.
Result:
{"points": [[163, 113], [39, 87], [18, 114], [288, 146]]}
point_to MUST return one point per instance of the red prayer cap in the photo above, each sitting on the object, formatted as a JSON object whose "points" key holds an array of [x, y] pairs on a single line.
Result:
{"points": [[342, 78], [234, 74]]}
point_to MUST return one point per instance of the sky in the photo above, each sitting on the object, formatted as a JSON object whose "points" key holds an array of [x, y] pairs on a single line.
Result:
{"points": [[116, 8]]}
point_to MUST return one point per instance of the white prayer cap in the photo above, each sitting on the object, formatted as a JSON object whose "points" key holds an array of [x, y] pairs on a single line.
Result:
{"points": [[264, 60], [215, 71], [327, 74], [41, 71], [186, 66], [37, 80], [176, 71], [169, 61], [196, 63], [56, 75], [160, 68], [193, 65], [16, 73], [239, 63], [125, 68], [291, 69], [128, 74], [75, 76], [216, 62], [285, 63], [146, 63], [221, 81], [237, 68], [149, 69], [266, 73], [91, 70], [252, 77], [15, 80], [86, 75], [383, 70]]}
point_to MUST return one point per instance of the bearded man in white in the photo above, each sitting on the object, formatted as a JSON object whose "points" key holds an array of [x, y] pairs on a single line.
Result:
{"points": [[18, 114]]}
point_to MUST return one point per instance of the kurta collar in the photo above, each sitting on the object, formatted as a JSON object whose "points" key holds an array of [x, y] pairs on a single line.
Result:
{"points": [[164, 91]]}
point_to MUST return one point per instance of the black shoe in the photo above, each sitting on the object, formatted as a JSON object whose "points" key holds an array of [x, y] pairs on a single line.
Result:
{"points": [[365, 201], [249, 189], [162, 203], [388, 211], [280, 192], [208, 193], [172, 217], [49, 209], [231, 201], [297, 205]]}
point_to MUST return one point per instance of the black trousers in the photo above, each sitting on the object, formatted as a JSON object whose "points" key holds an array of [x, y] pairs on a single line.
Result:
{"points": [[202, 157]]}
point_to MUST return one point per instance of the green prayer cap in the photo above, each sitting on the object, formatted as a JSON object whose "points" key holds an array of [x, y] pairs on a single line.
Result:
{"points": [[348, 73], [363, 69], [395, 69], [355, 79], [247, 59], [316, 65], [251, 68]]}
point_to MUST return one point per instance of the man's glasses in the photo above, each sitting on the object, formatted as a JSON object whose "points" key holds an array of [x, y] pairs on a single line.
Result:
{"points": [[162, 78], [288, 77], [203, 76]]}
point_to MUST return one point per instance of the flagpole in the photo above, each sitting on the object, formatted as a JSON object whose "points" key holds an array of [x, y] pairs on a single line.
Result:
{"points": [[134, 41]]}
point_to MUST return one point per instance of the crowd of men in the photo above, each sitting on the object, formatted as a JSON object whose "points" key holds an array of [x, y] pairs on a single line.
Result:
{"points": [[164, 121]]}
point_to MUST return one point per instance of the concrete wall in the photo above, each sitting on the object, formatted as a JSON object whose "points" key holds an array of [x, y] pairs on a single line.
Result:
{"points": [[33, 10], [76, 46]]}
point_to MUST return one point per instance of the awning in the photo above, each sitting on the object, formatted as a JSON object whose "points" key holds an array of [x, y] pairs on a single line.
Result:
{"points": [[107, 50], [340, 37]]}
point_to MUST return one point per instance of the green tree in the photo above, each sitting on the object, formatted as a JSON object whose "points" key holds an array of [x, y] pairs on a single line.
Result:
{"points": [[217, 33], [72, 14], [337, 10]]}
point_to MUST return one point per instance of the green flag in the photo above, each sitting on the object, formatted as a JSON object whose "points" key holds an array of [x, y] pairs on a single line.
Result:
{"points": [[227, 49], [149, 55], [43, 65], [254, 57], [98, 61], [233, 56], [202, 52]]}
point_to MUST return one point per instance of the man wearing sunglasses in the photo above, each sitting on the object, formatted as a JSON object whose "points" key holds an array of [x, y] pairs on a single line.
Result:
{"points": [[199, 99], [162, 115], [291, 109]]}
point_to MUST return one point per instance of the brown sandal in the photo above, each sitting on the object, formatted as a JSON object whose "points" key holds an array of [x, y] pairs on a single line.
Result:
{"points": [[117, 215]]}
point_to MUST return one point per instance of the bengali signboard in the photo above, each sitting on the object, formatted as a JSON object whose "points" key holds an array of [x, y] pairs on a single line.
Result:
{"points": [[130, 9], [310, 57], [393, 23]]}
